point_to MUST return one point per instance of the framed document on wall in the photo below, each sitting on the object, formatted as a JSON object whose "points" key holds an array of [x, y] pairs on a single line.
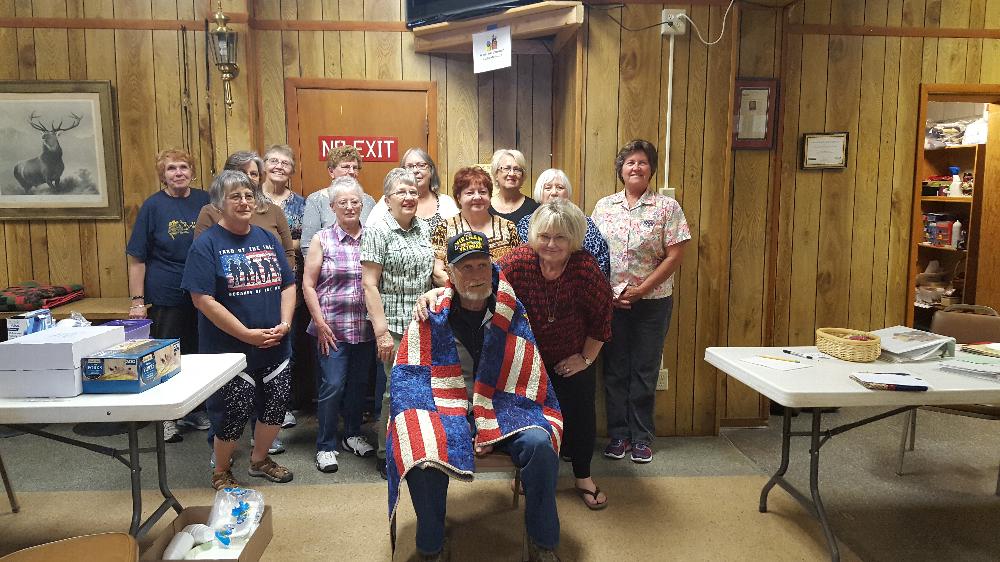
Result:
{"points": [[824, 151], [756, 111]]}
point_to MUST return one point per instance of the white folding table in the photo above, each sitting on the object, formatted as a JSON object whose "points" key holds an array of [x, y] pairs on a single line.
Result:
{"points": [[826, 383], [200, 376]]}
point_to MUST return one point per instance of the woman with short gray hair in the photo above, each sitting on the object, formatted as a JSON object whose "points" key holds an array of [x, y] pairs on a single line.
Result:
{"points": [[553, 184], [432, 205]]}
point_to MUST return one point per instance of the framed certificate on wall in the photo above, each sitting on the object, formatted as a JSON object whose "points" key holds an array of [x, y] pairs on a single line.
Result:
{"points": [[756, 110], [823, 151]]}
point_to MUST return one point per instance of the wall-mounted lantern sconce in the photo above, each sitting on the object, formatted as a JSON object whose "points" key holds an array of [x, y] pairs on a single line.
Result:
{"points": [[224, 48]]}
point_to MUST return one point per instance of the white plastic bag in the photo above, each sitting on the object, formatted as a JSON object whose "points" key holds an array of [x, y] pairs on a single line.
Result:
{"points": [[235, 515]]}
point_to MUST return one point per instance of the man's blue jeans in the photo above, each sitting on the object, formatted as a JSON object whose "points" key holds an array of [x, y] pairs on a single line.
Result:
{"points": [[342, 382], [532, 451]]}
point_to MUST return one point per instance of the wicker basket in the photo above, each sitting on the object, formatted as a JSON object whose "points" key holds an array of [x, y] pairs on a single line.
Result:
{"points": [[833, 341]]}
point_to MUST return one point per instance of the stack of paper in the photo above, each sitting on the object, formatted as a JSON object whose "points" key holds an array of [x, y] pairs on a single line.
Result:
{"points": [[969, 363], [900, 344], [987, 349]]}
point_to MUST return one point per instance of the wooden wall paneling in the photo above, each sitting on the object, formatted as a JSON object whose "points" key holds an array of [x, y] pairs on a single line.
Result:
{"points": [[865, 179], [289, 65], [953, 53], [415, 66], [110, 235], [439, 74], [988, 278], [352, 43], [311, 48], [974, 47], [383, 49], [524, 132], [562, 93], [540, 116], [990, 66], [687, 279], [270, 74], [505, 106], [808, 184], [208, 111], [37, 235], [331, 41], [168, 79], [19, 235], [236, 121], [713, 286], [791, 78], [640, 96], [932, 18], [751, 188], [484, 96], [463, 115], [87, 229]]}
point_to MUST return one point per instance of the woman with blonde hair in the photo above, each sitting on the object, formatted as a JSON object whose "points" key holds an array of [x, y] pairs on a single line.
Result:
{"points": [[509, 170]]}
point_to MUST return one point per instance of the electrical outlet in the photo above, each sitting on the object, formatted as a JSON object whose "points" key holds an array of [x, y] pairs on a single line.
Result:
{"points": [[669, 192], [662, 381], [673, 23]]}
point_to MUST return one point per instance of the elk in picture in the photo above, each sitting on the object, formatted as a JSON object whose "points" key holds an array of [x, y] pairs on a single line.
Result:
{"points": [[48, 166]]}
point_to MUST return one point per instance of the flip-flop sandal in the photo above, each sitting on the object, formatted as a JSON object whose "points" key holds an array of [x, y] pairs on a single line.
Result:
{"points": [[593, 506]]}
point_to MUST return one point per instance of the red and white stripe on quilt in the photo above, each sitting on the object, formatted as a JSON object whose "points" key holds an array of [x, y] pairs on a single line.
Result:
{"points": [[419, 435]]}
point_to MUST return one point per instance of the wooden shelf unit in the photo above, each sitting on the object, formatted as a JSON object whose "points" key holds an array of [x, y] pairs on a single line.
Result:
{"points": [[552, 18]]}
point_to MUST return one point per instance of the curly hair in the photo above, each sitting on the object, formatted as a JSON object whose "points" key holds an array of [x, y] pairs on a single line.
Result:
{"points": [[637, 145], [177, 155], [465, 177], [338, 154]]}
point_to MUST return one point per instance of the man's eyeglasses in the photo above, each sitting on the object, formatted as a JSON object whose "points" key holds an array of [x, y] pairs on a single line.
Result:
{"points": [[237, 197], [516, 170], [277, 161], [417, 166]]}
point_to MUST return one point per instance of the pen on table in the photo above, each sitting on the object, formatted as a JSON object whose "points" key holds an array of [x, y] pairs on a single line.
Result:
{"points": [[803, 355], [780, 359]]}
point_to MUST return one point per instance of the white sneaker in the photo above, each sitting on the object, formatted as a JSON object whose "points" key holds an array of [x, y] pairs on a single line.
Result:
{"points": [[289, 420], [170, 432], [326, 461], [196, 420], [358, 445], [276, 448]]}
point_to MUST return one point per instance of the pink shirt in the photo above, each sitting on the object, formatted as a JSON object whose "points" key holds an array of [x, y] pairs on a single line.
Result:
{"points": [[638, 237]]}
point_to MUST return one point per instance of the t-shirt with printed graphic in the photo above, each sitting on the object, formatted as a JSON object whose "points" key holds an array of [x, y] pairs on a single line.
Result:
{"points": [[161, 238], [244, 273]]}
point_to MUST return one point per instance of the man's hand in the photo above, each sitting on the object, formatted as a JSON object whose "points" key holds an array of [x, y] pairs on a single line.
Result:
{"points": [[483, 450]]}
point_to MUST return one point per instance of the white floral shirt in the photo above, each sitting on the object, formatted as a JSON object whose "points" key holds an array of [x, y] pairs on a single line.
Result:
{"points": [[638, 237]]}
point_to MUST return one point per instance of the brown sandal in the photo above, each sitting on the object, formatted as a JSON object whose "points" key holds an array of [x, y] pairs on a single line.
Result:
{"points": [[271, 470], [593, 506]]}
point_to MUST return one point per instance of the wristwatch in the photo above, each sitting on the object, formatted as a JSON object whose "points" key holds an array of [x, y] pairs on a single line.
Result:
{"points": [[285, 324], [585, 360]]}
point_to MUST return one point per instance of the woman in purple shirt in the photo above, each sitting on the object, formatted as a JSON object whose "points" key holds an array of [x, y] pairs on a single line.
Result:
{"points": [[345, 342]]}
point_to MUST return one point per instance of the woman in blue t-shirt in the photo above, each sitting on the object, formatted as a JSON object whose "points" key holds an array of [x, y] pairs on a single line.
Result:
{"points": [[244, 289], [157, 250]]}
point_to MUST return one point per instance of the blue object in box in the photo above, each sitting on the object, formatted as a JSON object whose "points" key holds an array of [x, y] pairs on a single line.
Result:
{"points": [[130, 367], [137, 329]]}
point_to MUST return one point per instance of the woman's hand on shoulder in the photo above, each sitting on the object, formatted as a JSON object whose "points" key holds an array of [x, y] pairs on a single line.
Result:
{"points": [[421, 310]]}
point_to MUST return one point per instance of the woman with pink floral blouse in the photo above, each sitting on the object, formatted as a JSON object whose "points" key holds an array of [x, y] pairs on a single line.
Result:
{"points": [[646, 234]]}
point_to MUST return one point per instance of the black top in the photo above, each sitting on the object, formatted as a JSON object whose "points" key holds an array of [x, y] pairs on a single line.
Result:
{"points": [[527, 207], [468, 327]]}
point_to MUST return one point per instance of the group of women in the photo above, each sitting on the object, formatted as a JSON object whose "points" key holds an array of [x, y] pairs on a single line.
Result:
{"points": [[587, 283]]}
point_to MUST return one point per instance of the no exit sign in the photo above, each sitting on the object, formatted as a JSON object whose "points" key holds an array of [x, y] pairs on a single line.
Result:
{"points": [[372, 149]]}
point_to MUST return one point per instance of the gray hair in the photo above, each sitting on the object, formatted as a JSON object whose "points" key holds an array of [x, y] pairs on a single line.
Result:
{"points": [[282, 149], [397, 176], [237, 161], [433, 171], [517, 155], [344, 185], [562, 217], [224, 182], [546, 177]]}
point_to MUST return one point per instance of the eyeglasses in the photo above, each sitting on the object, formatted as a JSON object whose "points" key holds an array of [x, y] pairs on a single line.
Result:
{"points": [[417, 166], [558, 186], [347, 203], [516, 170], [350, 167], [277, 161], [238, 197], [637, 163], [404, 193]]}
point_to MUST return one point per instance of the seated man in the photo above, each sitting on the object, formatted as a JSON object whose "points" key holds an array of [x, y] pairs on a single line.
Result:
{"points": [[476, 327]]}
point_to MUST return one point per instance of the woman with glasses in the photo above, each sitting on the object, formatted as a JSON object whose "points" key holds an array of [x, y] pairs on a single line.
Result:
{"points": [[244, 288], [432, 205], [345, 344], [397, 266], [553, 184], [340, 161], [279, 164], [474, 189], [646, 234], [508, 169], [163, 232]]}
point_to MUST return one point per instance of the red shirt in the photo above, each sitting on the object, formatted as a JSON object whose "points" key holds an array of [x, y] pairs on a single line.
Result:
{"points": [[578, 302]]}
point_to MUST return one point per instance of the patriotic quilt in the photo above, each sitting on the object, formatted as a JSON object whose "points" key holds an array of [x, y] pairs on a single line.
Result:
{"points": [[429, 423]]}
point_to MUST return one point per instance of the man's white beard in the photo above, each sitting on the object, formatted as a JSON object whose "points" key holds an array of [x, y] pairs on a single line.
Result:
{"points": [[476, 294]]}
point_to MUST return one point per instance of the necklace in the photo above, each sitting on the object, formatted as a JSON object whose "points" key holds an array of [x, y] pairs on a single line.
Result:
{"points": [[551, 300]]}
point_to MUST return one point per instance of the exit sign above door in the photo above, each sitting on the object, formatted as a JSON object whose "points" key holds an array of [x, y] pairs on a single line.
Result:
{"points": [[372, 149]]}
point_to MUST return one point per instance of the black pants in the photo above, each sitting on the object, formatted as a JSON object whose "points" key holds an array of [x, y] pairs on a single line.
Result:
{"points": [[576, 400], [175, 322]]}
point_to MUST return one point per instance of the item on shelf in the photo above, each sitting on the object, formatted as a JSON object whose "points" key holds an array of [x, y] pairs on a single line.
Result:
{"points": [[837, 342], [942, 231], [968, 183], [132, 366], [975, 132], [949, 133], [956, 233], [29, 323], [901, 344], [956, 182]]}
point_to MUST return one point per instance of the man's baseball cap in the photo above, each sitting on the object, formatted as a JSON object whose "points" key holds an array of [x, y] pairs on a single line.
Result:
{"points": [[467, 244]]}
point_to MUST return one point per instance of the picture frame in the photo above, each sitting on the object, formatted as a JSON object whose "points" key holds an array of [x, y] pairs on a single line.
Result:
{"points": [[59, 151], [756, 111], [824, 151]]}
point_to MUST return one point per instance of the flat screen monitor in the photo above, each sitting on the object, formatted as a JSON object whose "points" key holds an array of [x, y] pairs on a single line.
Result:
{"points": [[427, 12]]}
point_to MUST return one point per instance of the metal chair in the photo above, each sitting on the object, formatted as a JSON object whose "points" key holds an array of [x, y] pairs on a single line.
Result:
{"points": [[967, 324], [14, 506]]}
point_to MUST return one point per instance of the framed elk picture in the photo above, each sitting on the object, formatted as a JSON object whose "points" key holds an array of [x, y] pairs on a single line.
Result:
{"points": [[58, 151]]}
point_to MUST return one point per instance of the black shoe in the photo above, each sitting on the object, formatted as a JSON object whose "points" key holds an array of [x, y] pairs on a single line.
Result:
{"points": [[380, 465]]}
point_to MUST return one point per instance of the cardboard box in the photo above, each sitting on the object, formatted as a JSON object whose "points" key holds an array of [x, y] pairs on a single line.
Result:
{"points": [[58, 348], [48, 383], [29, 323], [132, 366], [252, 552]]}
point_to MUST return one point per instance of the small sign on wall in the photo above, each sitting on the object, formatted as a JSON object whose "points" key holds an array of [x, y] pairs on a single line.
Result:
{"points": [[372, 149], [491, 49]]}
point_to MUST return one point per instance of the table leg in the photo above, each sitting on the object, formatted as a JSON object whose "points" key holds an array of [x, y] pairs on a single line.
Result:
{"points": [[786, 438], [135, 469], [814, 447], [14, 506], [169, 501]]}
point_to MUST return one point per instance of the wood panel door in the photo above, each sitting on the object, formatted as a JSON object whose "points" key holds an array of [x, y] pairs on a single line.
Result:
{"points": [[381, 118]]}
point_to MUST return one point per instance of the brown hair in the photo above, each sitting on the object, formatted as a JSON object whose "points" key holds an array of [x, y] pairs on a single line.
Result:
{"points": [[340, 154], [177, 155], [465, 177], [637, 145]]}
